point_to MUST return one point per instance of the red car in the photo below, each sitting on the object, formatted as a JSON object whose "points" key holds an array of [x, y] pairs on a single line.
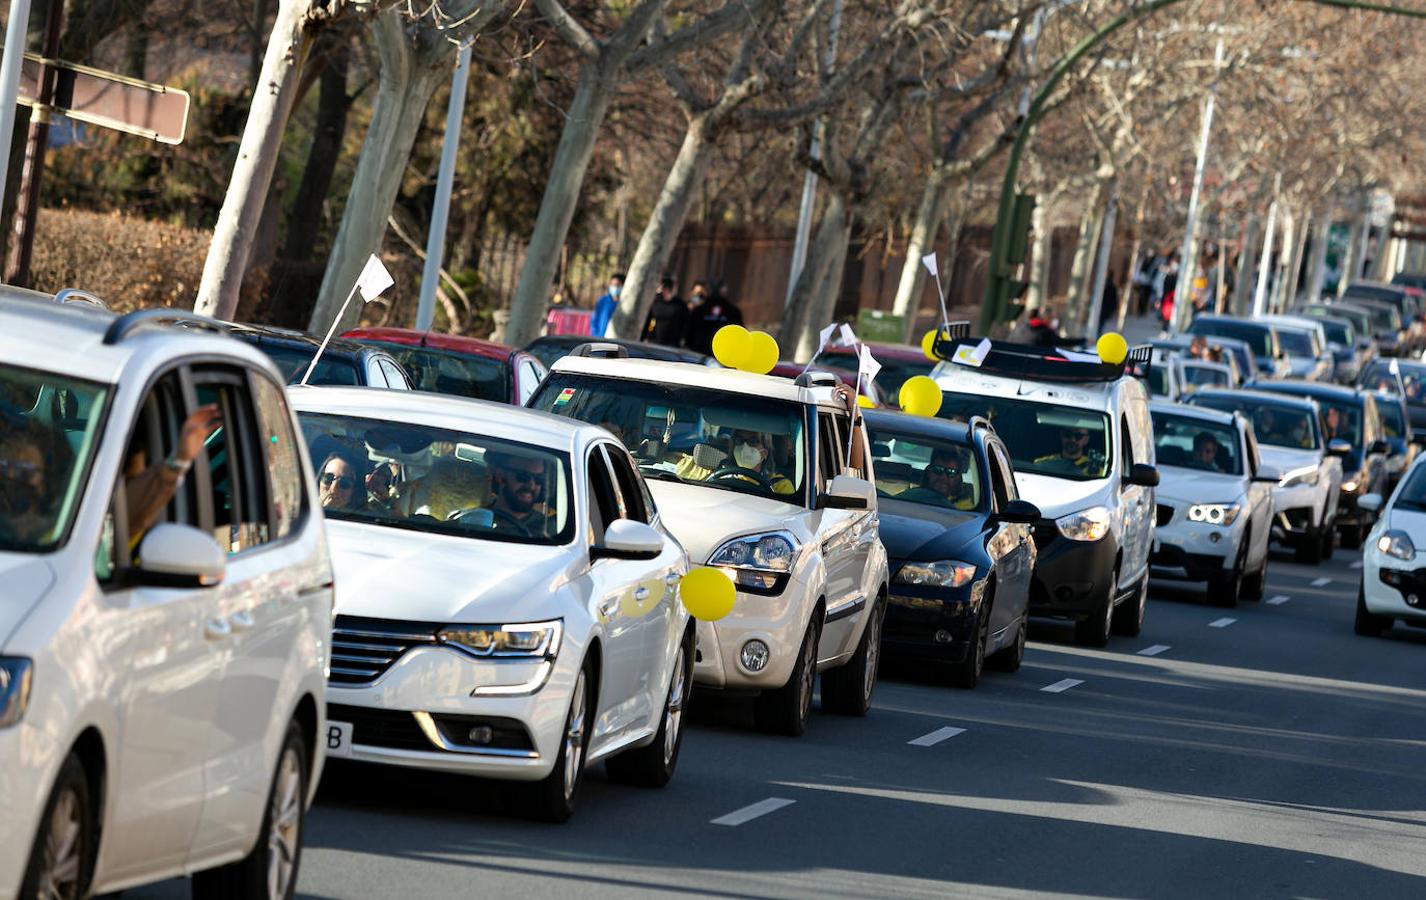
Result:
{"points": [[461, 366], [898, 363], [787, 369]]}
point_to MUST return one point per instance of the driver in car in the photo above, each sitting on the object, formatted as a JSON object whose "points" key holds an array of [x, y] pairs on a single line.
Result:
{"points": [[941, 483], [750, 454], [518, 483], [1074, 457], [1205, 452]]}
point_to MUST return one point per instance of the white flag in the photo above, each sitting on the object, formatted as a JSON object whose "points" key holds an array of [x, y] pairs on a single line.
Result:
{"points": [[374, 279], [868, 364], [972, 356], [848, 336], [929, 261], [824, 337], [1394, 367]]}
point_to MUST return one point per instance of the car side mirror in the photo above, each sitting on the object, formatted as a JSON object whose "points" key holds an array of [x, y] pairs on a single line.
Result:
{"points": [[180, 556], [847, 492], [1372, 503], [1268, 473], [1019, 512], [1143, 475], [1338, 447], [627, 539]]}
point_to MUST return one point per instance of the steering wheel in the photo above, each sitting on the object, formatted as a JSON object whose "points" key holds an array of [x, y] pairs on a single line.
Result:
{"points": [[503, 516], [728, 472]]}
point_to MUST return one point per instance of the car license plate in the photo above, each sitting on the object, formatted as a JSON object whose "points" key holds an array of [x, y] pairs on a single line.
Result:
{"points": [[339, 739]]}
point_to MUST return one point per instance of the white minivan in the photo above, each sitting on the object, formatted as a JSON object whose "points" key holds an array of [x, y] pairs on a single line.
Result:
{"points": [[166, 614]]}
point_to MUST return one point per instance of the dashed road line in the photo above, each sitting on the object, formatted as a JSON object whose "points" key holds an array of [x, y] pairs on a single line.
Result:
{"points": [[935, 737], [1278, 600], [1221, 623], [1356, 565], [748, 813], [1154, 650], [1059, 687], [1321, 582]]}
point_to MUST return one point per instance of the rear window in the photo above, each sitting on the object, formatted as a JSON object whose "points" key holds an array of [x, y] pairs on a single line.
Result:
{"points": [[1258, 337], [292, 362], [445, 372]]}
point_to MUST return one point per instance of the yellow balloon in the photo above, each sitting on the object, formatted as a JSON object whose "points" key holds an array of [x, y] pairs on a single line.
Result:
{"points": [[928, 340], [708, 594], [762, 353], [731, 345], [1112, 348], [920, 396], [865, 402]]}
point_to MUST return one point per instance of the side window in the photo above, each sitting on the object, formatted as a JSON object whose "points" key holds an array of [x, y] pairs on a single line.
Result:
{"points": [[374, 376], [145, 493], [1007, 472], [997, 481], [235, 466], [1251, 443], [604, 502], [844, 427], [829, 453], [530, 374], [630, 486], [395, 378], [1126, 448], [284, 464]]}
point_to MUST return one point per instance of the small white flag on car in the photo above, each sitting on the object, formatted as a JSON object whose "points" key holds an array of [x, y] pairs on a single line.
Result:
{"points": [[929, 261], [374, 279], [868, 364], [972, 356], [849, 337]]}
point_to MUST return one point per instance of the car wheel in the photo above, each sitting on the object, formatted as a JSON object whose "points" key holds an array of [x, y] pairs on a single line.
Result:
{"points": [[1255, 585], [64, 842], [270, 870], [786, 709], [1329, 543], [1129, 617], [1224, 589], [1352, 536], [1369, 624], [1094, 631], [553, 799], [966, 673], [1009, 658], [1309, 551], [653, 765], [847, 689]]}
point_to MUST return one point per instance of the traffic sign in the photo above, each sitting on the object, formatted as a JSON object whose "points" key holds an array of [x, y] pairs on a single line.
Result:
{"points": [[109, 100]]}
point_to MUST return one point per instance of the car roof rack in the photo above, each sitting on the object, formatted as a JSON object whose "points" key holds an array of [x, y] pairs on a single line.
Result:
{"points": [[813, 378], [1035, 363], [75, 295], [601, 350], [127, 323]]}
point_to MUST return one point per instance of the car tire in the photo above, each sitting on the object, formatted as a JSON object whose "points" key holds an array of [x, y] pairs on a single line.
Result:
{"points": [[1352, 537], [1095, 630], [1309, 551], [1224, 590], [847, 689], [1369, 624], [270, 869], [1008, 659], [553, 799], [60, 860], [1129, 617], [653, 765], [1329, 543], [785, 710], [966, 673], [1255, 585]]}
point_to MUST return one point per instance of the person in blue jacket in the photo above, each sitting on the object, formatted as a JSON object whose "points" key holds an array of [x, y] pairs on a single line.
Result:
{"points": [[604, 307]]}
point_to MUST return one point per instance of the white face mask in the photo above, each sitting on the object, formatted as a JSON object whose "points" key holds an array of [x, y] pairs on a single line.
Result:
{"points": [[614, 289], [747, 456]]}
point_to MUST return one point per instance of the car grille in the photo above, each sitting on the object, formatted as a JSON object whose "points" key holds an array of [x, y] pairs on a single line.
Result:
{"points": [[391, 728], [1165, 514], [362, 648]]}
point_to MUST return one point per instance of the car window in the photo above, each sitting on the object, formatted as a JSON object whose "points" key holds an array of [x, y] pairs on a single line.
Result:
{"points": [[374, 376], [1001, 460], [1000, 491], [395, 378], [1254, 458], [1188, 442], [605, 504], [1258, 337], [925, 469], [1126, 449], [626, 478], [448, 372], [1378, 376], [282, 454], [235, 466], [1043, 438], [145, 495], [292, 362], [1274, 424], [829, 455], [531, 373], [1393, 423]]}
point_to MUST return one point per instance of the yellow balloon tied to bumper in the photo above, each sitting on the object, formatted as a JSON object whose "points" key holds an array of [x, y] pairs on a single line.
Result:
{"points": [[920, 396], [762, 353], [1112, 348], [731, 345], [707, 593]]}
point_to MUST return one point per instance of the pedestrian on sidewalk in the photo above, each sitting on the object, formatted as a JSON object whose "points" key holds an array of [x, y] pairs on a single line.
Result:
{"points": [[604, 307], [707, 318], [668, 317]]}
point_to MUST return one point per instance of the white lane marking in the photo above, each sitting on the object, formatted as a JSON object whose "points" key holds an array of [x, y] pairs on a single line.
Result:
{"points": [[1321, 582], [1221, 623], [1154, 650], [1356, 565], [748, 813], [1059, 687], [1277, 600], [935, 737]]}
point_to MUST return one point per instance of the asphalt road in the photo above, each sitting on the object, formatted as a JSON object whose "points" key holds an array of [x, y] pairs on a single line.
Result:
{"points": [[1264, 751]]}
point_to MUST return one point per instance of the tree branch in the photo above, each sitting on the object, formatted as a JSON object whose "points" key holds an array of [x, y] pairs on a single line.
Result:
{"points": [[569, 30], [717, 24]]}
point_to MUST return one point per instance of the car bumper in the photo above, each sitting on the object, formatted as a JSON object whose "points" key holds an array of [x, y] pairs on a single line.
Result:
{"points": [[1194, 551], [778, 621], [930, 623], [1070, 576], [421, 713], [1394, 587]]}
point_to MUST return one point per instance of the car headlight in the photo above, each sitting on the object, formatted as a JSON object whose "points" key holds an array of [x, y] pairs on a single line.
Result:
{"points": [[1396, 543], [941, 573], [1307, 475], [15, 676], [1086, 525], [757, 562], [1214, 513], [532, 640], [1350, 486]]}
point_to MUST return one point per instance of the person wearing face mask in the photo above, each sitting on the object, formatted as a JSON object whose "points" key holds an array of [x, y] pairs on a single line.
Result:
{"points": [[750, 454], [26, 498], [604, 307]]}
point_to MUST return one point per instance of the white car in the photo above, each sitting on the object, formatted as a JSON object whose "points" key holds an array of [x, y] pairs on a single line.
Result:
{"points": [[163, 645], [1392, 586], [1305, 343], [507, 597], [752, 475], [1289, 435], [1214, 502]]}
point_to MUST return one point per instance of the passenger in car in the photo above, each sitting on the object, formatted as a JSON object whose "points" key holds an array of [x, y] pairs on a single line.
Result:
{"points": [[382, 494], [941, 482], [337, 482], [749, 453], [518, 483], [149, 487], [1073, 458], [27, 499]]}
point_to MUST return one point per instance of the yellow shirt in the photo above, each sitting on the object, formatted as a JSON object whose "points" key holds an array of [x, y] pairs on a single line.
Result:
{"points": [[689, 470]]}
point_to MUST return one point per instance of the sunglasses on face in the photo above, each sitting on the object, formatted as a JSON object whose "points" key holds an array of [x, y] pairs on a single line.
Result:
{"points": [[1075, 435], [19, 471], [519, 477], [950, 471], [343, 482]]}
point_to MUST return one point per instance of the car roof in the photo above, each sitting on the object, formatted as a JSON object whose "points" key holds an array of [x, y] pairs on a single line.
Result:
{"points": [[1207, 414], [1302, 322], [412, 337], [967, 379], [484, 417], [694, 375], [1236, 320], [929, 426], [1310, 388], [648, 351], [1257, 396], [272, 336], [1205, 364]]}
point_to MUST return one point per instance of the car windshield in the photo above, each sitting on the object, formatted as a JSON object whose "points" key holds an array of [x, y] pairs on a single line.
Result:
{"points": [[1384, 317], [1342, 421], [1274, 424], [437, 480], [921, 469], [1338, 333], [1257, 337], [446, 372], [1043, 438], [1204, 375], [1361, 319], [893, 374], [735, 442], [1295, 343], [1412, 493], [1393, 424], [292, 362], [49, 429], [1192, 443], [1378, 376]]}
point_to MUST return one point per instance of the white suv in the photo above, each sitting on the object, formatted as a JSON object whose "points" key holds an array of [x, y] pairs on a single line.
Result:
{"points": [[752, 475], [166, 612]]}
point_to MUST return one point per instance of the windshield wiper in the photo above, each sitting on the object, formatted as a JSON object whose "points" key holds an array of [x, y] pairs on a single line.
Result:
{"points": [[659, 474]]}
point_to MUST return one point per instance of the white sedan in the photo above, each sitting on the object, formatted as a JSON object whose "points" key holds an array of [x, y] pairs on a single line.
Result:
{"points": [[1392, 584], [507, 599]]}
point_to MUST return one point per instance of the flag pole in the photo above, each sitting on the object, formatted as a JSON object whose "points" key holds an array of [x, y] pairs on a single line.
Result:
{"points": [[330, 331]]}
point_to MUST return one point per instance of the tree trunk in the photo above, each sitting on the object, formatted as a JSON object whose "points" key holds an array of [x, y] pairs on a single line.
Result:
{"points": [[231, 246], [1128, 294], [1247, 265], [806, 315], [1089, 224], [591, 102], [413, 65], [910, 288], [1317, 265], [1037, 294], [656, 243], [1294, 266], [1101, 262]]}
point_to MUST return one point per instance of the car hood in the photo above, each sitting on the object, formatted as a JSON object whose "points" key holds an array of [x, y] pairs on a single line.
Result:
{"points": [[1197, 486], [391, 573], [916, 531], [1058, 496], [1409, 521], [1286, 459], [26, 578], [702, 518]]}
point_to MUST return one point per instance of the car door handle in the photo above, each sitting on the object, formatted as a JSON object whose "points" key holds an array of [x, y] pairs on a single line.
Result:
{"points": [[240, 621], [672, 578], [641, 593], [217, 629], [609, 607]]}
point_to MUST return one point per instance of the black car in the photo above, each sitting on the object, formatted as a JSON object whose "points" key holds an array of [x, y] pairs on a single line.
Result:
{"points": [[551, 347], [958, 540], [1261, 337], [343, 362], [1348, 415]]}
